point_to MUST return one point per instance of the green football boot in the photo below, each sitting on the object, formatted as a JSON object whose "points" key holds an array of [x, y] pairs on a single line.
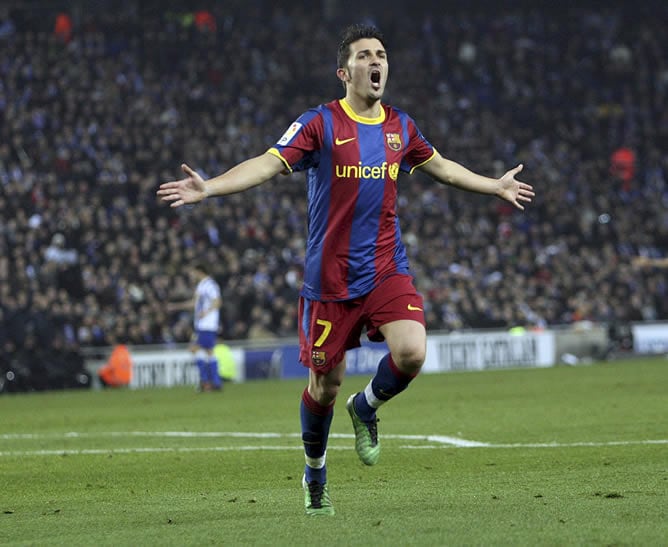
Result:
{"points": [[316, 498], [366, 435]]}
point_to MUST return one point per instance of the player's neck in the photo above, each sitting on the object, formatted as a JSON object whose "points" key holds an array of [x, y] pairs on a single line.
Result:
{"points": [[364, 108]]}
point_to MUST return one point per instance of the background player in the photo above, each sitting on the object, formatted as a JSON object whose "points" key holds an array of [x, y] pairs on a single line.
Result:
{"points": [[206, 305], [356, 270]]}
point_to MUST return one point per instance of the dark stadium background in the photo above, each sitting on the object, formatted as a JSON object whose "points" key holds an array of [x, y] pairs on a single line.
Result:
{"points": [[93, 119]]}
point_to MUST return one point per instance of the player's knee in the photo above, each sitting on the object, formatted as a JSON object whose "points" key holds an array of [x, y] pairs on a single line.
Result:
{"points": [[325, 393], [410, 358], [330, 392]]}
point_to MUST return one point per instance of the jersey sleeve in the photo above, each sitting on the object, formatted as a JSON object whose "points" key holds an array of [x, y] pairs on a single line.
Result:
{"points": [[419, 150], [299, 147]]}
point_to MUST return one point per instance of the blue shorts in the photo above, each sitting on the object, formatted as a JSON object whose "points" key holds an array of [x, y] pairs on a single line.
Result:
{"points": [[206, 339]]}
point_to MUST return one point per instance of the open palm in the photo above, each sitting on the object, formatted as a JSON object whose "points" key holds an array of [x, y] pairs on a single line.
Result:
{"points": [[513, 190], [181, 192]]}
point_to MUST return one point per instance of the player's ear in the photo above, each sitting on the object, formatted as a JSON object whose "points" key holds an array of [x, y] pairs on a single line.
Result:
{"points": [[343, 75]]}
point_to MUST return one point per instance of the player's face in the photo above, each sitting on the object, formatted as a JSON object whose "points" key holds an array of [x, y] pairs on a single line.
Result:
{"points": [[367, 69]]}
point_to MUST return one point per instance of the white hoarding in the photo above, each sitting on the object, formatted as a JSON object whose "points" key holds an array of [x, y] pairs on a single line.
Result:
{"points": [[493, 350], [650, 338]]}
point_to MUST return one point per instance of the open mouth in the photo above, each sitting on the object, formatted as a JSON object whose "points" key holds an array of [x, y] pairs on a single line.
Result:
{"points": [[375, 79]]}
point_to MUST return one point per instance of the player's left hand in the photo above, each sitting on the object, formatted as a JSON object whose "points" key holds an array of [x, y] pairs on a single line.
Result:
{"points": [[513, 190]]}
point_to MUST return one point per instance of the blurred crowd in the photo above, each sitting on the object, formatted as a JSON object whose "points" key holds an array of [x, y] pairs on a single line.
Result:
{"points": [[97, 110]]}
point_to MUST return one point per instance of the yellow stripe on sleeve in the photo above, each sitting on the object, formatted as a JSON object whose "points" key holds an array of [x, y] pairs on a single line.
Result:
{"points": [[274, 152], [425, 161]]}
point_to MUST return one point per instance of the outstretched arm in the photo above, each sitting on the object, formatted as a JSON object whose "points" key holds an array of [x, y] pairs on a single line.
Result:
{"points": [[243, 176], [507, 187]]}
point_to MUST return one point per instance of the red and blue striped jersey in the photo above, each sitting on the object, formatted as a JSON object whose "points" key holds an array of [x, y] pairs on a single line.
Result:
{"points": [[352, 163]]}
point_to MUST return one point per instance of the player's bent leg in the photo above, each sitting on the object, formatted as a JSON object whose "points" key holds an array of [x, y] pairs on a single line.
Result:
{"points": [[407, 342], [366, 434]]}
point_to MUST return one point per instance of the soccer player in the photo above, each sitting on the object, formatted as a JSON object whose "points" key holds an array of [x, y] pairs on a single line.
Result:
{"points": [[206, 307], [356, 271]]}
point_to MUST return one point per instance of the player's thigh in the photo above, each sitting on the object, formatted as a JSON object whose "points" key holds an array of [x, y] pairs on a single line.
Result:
{"points": [[395, 312], [407, 341], [326, 331], [395, 299]]}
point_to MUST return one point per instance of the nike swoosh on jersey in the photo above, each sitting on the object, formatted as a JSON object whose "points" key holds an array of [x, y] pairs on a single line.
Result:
{"points": [[339, 142], [413, 308]]}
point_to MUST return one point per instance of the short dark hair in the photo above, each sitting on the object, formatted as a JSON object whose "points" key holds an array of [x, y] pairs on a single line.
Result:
{"points": [[351, 34], [201, 267]]}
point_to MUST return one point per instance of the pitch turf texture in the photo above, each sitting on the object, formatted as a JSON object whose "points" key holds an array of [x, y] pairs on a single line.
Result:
{"points": [[560, 456]]}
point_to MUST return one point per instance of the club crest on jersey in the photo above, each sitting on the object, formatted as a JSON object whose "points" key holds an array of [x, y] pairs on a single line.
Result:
{"points": [[318, 358], [393, 141]]}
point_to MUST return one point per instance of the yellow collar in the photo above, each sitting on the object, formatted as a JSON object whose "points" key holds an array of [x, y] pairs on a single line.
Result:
{"points": [[361, 119]]}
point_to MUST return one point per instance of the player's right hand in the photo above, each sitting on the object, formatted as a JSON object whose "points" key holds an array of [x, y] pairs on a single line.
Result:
{"points": [[181, 192]]}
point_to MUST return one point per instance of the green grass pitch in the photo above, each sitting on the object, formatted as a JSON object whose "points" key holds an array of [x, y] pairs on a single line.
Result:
{"points": [[559, 456]]}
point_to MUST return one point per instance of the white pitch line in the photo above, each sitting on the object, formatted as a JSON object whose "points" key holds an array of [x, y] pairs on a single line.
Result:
{"points": [[441, 439], [436, 442], [546, 445], [175, 434], [143, 450], [158, 450]]}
